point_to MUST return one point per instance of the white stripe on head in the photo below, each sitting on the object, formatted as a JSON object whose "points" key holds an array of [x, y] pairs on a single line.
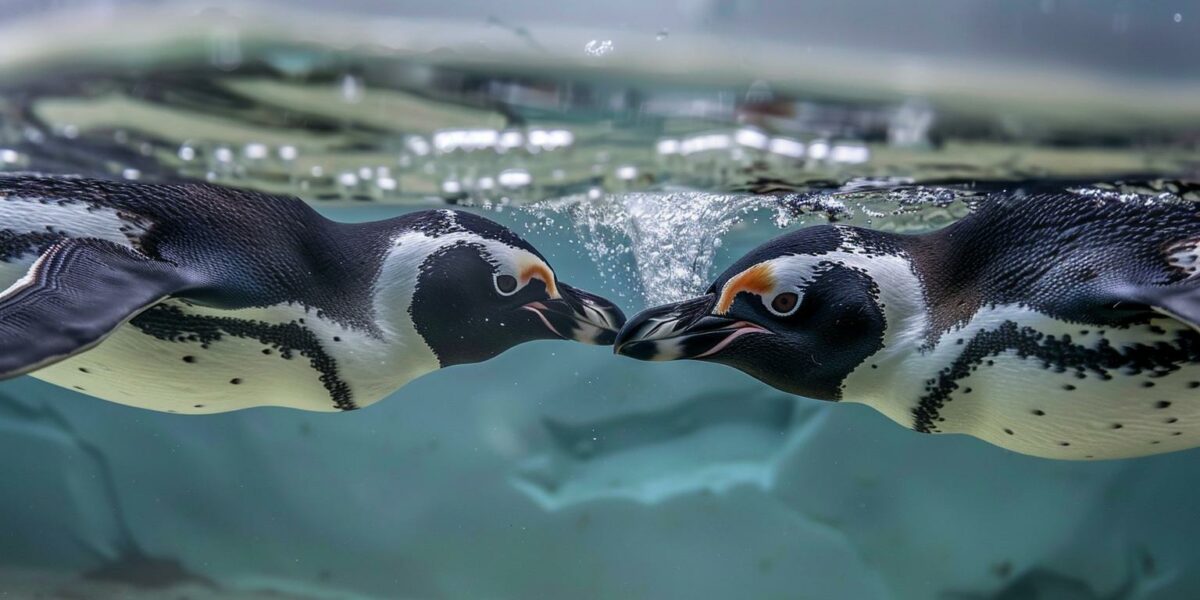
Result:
{"points": [[794, 272], [397, 280], [901, 298]]}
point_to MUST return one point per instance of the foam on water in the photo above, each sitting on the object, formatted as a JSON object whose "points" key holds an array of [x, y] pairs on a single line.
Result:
{"points": [[669, 238]]}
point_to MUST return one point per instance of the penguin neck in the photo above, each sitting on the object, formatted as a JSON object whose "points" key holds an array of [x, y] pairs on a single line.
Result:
{"points": [[885, 380], [935, 296], [394, 354]]}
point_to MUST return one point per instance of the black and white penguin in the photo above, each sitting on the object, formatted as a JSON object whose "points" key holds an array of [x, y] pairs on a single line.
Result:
{"points": [[195, 298], [1059, 326]]}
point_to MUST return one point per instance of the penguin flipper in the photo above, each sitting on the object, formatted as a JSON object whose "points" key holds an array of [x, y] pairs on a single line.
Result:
{"points": [[72, 297], [1182, 304], [1179, 301]]}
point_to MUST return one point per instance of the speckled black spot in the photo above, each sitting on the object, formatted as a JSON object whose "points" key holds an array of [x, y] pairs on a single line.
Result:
{"points": [[1069, 387], [15, 245], [189, 359], [1008, 431], [1028, 343], [84, 370], [1193, 384], [1039, 413], [1064, 443], [169, 323], [1117, 425], [1162, 404], [235, 381], [1172, 420], [197, 406], [1147, 384]]}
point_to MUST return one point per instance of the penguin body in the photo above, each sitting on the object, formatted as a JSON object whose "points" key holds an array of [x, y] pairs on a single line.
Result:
{"points": [[1058, 326], [195, 298]]}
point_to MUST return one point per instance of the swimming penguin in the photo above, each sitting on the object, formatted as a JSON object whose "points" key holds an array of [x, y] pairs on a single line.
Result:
{"points": [[1059, 326], [194, 298]]}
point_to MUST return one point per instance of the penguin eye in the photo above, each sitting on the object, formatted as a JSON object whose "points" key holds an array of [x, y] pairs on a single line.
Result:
{"points": [[785, 304], [506, 284]]}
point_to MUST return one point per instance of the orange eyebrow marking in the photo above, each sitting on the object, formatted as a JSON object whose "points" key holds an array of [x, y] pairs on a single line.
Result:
{"points": [[756, 280], [539, 270]]}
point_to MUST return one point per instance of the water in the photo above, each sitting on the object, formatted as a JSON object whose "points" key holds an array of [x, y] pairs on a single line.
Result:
{"points": [[641, 158]]}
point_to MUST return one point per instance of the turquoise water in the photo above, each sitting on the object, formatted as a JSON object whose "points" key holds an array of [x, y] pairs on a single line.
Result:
{"points": [[559, 470]]}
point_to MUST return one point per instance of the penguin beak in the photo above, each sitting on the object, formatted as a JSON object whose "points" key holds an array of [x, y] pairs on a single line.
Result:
{"points": [[579, 315], [685, 329]]}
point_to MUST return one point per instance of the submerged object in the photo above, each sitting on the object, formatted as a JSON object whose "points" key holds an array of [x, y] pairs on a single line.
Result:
{"points": [[1058, 325], [195, 298]]}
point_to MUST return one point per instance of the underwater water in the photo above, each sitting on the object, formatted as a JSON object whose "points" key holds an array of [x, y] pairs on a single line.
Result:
{"points": [[641, 156]]}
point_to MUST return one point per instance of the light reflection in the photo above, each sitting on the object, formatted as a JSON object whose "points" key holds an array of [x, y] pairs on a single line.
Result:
{"points": [[255, 151], [417, 145], [513, 178], [818, 150], [552, 139], [749, 139], [510, 139], [702, 143], [450, 140], [752, 138], [852, 154], [668, 146], [786, 147], [464, 139]]}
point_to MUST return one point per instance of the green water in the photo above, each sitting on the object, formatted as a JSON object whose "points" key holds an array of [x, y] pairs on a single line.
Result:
{"points": [[640, 158]]}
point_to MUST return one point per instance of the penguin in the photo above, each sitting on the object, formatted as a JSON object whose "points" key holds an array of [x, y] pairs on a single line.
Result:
{"points": [[196, 298], [1055, 325]]}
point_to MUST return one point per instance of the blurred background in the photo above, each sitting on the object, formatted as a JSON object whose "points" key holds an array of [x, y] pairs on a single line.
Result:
{"points": [[642, 146]]}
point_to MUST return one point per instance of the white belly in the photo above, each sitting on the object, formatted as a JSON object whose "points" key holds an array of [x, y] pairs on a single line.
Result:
{"points": [[200, 375], [1016, 398], [1017, 404], [230, 373]]}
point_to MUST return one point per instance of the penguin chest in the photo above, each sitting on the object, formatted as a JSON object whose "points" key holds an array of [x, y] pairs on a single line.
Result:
{"points": [[180, 358], [1053, 389]]}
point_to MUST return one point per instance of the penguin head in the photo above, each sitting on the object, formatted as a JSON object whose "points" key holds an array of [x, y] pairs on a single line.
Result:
{"points": [[480, 289], [798, 313]]}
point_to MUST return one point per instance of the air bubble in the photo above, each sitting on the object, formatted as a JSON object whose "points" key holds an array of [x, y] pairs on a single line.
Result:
{"points": [[598, 47]]}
